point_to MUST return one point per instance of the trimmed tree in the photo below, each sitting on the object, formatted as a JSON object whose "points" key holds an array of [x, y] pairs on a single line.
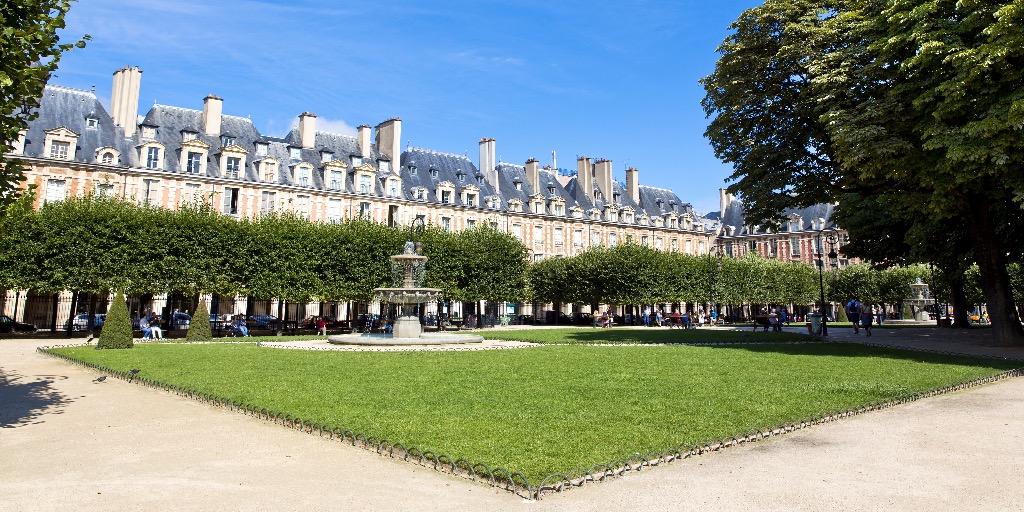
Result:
{"points": [[117, 329], [199, 327]]}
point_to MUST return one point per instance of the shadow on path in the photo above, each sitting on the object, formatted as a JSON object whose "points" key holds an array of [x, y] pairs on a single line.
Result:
{"points": [[23, 402]]}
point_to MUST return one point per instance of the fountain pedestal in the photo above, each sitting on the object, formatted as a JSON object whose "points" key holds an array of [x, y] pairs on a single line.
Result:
{"points": [[408, 269]]}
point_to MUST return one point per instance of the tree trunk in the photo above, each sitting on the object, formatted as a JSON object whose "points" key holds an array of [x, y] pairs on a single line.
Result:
{"points": [[74, 308], [959, 299], [995, 280]]}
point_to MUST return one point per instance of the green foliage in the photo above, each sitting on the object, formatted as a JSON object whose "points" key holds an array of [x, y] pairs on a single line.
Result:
{"points": [[637, 399], [117, 328], [841, 314], [199, 327], [30, 51]]}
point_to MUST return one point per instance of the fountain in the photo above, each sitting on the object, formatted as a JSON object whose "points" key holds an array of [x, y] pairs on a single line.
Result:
{"points": [[919, 299], [408, 270]]}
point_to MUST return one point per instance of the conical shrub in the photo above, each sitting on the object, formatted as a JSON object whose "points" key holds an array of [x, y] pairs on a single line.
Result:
{"points": [[117, 328], [199, 328], [841, 316]]}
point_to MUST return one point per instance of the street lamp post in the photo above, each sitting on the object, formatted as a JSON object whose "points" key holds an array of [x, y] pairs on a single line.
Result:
{"points": [[832, 255]]}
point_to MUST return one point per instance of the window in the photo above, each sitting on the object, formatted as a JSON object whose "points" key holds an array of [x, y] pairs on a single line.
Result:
{"points": [[384, 166], [152, 158], [335, 180], [538, 257], [412, 170], [364, 210], [91, 123], [268, 200], [479, 180], [470, 199], [577, 238], [817, 245], [702, 249], [753, 246], [462, 177], [187, 136], [433, 172], [356, 160], [420, 194], [295, 153], [107, 158], [538, 235], [193, 193], [517, 231], [326, 156], [645, 240], [365, 184], [231, 201], [613, 239], [303, 178], [262, 149], [231, 167], [270, 172], [148, 132], [333, 210], [659, 243], [193, 162], [150, 191], [519, 185], [559, 240], [104, 190], [55, 190], [559, 209], [794, 246], [595, 238], [393, 188], [689, 247], [538, 207], [227, 140], [674, 244], [446, 223], [302, 206], [446, 196], [551, 191], [470, 224], [59, 150]]}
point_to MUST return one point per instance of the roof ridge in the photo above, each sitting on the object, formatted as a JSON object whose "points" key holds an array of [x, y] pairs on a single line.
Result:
{"points": [[436, 152], [71, 89]]}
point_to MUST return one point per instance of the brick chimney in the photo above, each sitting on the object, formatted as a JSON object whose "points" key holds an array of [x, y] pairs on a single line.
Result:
{"points": [[389, 139], [585, 177], [124, 99], [364, 141], [307, 129], [633, 184], [212, 108], [533, 175], [603, 174], [488, 162]]}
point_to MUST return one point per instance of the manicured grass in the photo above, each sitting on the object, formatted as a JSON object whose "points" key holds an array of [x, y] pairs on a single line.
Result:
{"points": [[638, 335], [253, 339], [549, 409]]}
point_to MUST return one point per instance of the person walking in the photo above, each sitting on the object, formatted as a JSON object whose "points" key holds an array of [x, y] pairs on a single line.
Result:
{"points": [[853, 311], [865, 321]]}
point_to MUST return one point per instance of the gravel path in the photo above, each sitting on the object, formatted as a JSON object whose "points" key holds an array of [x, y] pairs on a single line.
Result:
{"points": [[70, 443]]}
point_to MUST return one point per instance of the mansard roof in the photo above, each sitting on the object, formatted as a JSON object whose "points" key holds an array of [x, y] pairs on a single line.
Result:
{"points": [[67, 107], [448, 166], [734, 212]]}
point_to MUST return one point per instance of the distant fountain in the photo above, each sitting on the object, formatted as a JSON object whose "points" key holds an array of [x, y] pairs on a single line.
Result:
{"points": [[920, 297], [408, 270]]}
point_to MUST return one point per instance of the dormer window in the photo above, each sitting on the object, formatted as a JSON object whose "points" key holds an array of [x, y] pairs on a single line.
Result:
{"points": [[393, 187], [295, 153], [187, 136], [470, 199], [227, 140], [446, 196], [479, 179], [660, 203], [61, 143], [412, 170], [193, 162], [461, 177], [551, 190], [303, 175], [365, 184], [433, 172], [262, 149], [335, 180], [231, 166], [107, 158], [326, 156], [356, 160], [421, 194], [92, 123], [519, 185], [384, 165], [232, 160], [616, 198], [148, 132], [107, 155], [270, 171]]}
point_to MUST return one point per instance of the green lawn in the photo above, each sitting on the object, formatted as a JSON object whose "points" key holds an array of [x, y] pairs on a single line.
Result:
{"points": [[638, 335], [549, 409]]}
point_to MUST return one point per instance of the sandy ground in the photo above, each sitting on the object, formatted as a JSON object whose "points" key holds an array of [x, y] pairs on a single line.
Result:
{"points": [[70, 443]]}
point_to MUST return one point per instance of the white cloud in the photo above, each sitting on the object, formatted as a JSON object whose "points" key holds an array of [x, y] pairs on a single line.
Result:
{"points": [[325, 125]]}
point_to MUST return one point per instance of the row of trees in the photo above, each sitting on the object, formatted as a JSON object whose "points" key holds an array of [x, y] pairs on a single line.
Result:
{"points": [[94, 245], [907, 114]]}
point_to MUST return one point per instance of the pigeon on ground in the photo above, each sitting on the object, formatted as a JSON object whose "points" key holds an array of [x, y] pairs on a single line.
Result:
{"points": [[134, 371], [101, 378]]}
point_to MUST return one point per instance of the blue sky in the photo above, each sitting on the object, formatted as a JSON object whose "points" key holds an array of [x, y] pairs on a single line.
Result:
{"points": [[605, 79]]}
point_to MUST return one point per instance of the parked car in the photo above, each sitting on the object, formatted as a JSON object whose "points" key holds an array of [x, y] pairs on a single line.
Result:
{"points": [[7, 324], [181, 320], [81, 321], [552, 317], [263, 321], [221, 321], [582, 318]]}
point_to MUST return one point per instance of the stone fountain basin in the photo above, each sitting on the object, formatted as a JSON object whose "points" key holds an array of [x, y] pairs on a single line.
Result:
{"points": [[407, 295], [441, 338]]}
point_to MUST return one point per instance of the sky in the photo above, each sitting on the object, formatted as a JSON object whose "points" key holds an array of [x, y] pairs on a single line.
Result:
{"points": [[604, 79]]}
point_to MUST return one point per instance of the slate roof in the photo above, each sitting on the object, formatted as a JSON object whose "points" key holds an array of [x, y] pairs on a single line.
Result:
{"points": [[733, 216], [67, 107]]}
